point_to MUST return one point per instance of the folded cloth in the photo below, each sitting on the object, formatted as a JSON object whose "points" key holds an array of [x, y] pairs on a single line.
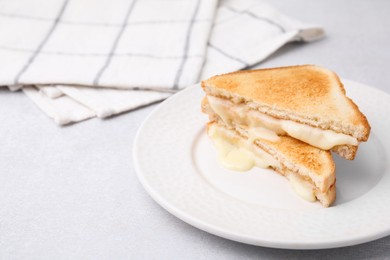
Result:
{"points": [[81, 59]]}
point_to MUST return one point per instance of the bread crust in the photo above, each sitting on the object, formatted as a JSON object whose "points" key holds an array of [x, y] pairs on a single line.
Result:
{"points": [[346, 151]]}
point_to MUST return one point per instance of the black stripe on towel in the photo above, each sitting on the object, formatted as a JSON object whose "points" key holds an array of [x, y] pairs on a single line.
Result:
{"points": [[255, 16], [43, 42], [114, 44], [186, 47], [227, 55]]}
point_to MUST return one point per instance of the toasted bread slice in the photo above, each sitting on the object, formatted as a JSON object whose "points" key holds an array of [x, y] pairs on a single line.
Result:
{"points": [[308, 95], [309, 169]]}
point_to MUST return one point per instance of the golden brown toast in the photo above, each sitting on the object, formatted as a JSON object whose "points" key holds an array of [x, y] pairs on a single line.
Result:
{"points": [[311, 165], [306, 94]]}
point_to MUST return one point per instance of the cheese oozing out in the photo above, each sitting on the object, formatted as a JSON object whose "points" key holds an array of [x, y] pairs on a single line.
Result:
{"points": [[244, 115], [239, 155], [302, 188]]}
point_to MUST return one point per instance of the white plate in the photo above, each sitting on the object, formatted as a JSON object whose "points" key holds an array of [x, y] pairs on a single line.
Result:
{"points": [[176, 163]]}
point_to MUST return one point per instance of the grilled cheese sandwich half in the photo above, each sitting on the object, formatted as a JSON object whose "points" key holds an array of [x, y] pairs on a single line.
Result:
{"points": [[310, 170], [305, 102]]}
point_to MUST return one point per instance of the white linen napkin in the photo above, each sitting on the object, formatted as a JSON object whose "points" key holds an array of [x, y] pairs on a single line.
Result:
{"points": [[81, 59]]}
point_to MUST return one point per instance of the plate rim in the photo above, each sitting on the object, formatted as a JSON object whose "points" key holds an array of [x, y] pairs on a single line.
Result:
{"points": [[242, 238]]}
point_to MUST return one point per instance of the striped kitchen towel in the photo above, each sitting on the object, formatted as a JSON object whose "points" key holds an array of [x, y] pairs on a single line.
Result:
{"points": [[85, 58]]}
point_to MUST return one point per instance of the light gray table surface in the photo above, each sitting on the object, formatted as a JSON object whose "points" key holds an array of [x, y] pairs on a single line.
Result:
{"points": [[72, 192]]}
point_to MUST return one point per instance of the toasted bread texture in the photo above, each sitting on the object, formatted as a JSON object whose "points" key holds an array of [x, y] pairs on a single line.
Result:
{"points": [[306, 94], [346, 151], [311, 165]]}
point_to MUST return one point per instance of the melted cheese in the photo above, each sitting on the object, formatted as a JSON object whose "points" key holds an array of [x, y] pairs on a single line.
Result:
{"points": [[263, 133], [239, 156], [243, 115], [302, 188]]}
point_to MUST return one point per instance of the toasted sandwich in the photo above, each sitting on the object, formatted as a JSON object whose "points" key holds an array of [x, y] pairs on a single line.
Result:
{"points": [[311, 171], [305, 102]]}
